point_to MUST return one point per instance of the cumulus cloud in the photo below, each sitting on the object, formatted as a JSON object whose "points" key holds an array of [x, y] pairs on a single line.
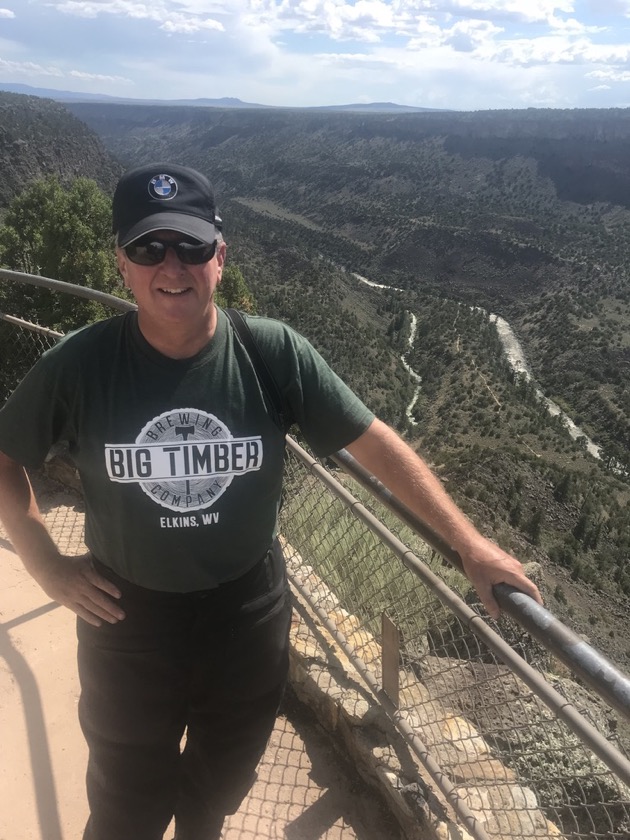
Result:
{"points": [[523, 11], [161, 12], [610, 75], [344, 19], [96, 77], [552, 50], [32, 69], [189, 25], [364, 20], [27, 68], [93, 8], [6, 13]]}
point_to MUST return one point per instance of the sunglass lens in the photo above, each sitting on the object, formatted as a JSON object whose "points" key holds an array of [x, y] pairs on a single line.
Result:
{"points": [[195, 254], [146, 252]]}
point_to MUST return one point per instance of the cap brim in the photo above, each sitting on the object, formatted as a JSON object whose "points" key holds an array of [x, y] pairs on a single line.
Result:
{"points": [[188, 225]]}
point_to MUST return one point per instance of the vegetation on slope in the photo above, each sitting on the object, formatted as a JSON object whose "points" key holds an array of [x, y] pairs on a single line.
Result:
{"points": [[524, 213], [39, 137]]}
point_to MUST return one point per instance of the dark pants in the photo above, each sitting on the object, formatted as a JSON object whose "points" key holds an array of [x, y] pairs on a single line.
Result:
{"points": [[213, 663]]}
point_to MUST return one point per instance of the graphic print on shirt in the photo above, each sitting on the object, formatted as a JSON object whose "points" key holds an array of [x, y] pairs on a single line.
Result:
{"points": [[184, 459]]}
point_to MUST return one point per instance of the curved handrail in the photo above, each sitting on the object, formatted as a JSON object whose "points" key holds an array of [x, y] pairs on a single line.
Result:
{"points": [[68, 288]]}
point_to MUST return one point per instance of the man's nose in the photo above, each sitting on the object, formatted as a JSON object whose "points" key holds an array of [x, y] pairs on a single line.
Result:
{"points": [[171, 261]]}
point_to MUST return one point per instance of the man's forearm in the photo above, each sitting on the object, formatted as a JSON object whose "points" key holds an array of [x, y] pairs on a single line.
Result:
{"points": [[22, 519], [383, 453], [71, 581]]}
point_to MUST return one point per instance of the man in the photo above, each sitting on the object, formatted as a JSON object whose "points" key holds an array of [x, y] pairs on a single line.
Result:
{"points": [[182, 605]]}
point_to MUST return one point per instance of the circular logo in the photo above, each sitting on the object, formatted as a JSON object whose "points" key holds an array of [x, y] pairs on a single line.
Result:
{"points": [[192, 455], [163, 187]]}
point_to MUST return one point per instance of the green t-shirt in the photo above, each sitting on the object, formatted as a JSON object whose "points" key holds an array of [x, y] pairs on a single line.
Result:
{"points": [[180, 461]]}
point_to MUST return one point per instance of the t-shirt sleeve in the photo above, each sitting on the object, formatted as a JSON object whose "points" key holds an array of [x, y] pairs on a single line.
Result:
{"points": [[328, 412], [37, 413]]}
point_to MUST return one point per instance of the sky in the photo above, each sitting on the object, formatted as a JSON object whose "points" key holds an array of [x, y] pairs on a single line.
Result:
{"points": [[460, 54]]}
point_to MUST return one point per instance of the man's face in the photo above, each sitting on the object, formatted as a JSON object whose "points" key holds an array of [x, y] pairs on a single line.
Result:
{"points": [[171, 292]]}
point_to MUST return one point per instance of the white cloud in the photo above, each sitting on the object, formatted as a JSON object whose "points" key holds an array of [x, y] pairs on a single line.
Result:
{"points": [[525, 11], [93, 8], [571, 26], [468, 35], [31, 69], [556, 49], [364, 20], [28, 68], [6, 13], [341, 18], [96, 77], [610, 75], [188, 26], [170, 20]]}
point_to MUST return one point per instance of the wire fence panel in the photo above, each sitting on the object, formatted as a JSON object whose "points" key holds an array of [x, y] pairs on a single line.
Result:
{"points": [[518, 768], [21, 345]]}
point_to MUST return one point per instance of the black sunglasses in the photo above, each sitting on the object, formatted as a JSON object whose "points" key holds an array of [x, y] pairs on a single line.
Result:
{"points": [[149, 250]]}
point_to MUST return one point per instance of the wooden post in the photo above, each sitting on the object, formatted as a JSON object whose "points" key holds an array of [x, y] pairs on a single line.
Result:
{"points": [[391, 658]]}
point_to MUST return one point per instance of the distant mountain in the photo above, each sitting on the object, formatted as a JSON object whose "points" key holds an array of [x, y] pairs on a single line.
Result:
{"points": [[375, 107], [223, 102], [74, 96]]}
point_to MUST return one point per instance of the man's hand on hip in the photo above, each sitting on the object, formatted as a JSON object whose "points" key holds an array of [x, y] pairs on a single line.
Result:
{"points": [[75, 583]]}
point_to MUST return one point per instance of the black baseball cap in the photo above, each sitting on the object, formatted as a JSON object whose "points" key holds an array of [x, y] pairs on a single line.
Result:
{"points": [[163, 196]]}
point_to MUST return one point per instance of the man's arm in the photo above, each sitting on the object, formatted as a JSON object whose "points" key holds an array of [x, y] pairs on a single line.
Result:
{"points": [[381, 451], [71, 581]]}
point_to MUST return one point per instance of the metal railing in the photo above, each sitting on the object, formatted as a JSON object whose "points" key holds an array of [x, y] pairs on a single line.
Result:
{"points": [[491, 710], [486, 722]]}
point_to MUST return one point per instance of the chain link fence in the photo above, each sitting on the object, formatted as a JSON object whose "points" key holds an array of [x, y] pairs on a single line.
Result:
{"points": [[507, 763], [21, 345], [510, 761]]}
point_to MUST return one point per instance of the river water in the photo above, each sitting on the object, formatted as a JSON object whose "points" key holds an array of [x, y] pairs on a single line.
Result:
{"points": [[515, 355], [518, 362]]}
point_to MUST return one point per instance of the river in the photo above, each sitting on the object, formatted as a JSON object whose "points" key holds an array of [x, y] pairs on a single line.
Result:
{"points": [[515, 355], [518, 362]]}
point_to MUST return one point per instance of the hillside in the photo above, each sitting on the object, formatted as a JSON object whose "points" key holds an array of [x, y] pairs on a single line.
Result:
{"points": [[524, 213], [512, 467], [39, 137]]}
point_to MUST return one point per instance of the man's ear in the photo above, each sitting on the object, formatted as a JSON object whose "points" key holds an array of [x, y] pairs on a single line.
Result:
{"points": [[221, 255], [121, 259]]}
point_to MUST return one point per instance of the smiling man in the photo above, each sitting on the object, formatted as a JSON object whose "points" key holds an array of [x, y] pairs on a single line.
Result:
{"points": [[182, 601]]}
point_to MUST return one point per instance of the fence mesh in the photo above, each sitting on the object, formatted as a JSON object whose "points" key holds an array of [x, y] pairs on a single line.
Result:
{"points": [[20, 347], [515, 765]]}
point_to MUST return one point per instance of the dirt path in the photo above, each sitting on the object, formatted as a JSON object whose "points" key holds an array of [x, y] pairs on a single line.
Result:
{"points": [[303, 792]]}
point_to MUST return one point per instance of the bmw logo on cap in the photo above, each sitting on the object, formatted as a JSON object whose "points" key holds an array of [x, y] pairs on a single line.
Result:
{"points": [[163, 187]]}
